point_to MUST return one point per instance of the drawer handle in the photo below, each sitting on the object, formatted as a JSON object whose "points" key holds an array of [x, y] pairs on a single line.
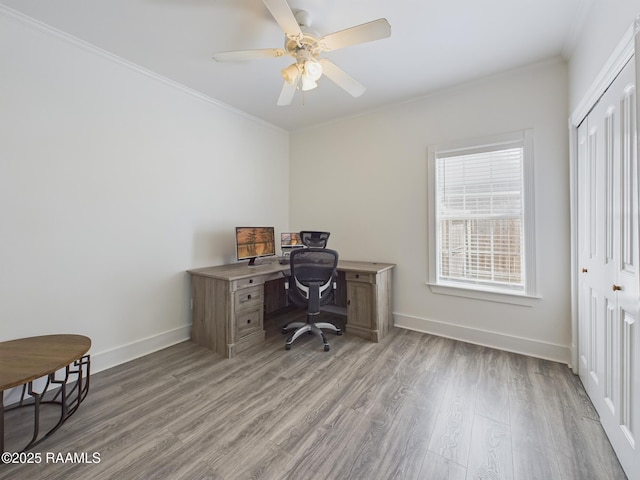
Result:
{"points": [[357, 275], [248, 297], [251, 280], [249, 321]]}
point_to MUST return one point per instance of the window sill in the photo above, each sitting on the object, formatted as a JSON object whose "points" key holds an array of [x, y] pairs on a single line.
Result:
{"points": [[500, 297]]}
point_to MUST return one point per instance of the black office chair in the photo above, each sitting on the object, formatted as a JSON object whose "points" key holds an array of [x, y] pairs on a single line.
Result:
{"points": [[312, 284], [314, 239]]}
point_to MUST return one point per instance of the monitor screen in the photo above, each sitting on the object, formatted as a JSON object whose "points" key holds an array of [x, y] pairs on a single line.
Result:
{"points": [[290, 240], [252, 242]]}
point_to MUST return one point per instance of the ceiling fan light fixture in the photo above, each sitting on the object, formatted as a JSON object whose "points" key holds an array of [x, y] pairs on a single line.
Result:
{"points": [[290, 73], [308, 84], [312, 69]]}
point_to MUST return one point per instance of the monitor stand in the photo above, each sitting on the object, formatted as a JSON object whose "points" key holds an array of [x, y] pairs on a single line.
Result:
{"points": [[259, 261]]}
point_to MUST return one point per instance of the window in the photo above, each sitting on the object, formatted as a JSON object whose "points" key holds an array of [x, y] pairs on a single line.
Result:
{"points": [[481, 222]]}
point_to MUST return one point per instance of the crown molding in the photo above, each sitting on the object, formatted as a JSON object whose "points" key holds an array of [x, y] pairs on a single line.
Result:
{"points": [[21, 18]]}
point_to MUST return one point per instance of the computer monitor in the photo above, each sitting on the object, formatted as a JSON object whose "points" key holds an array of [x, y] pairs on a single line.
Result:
{"points": [[254, 242], [290, 240]]}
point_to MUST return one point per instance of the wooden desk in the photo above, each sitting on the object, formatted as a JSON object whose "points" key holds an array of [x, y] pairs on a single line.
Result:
{"points": [[27, 359], [228, 302]]}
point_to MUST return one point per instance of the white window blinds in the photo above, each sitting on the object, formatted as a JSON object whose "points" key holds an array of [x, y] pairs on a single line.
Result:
{"points": [[480, 217]]}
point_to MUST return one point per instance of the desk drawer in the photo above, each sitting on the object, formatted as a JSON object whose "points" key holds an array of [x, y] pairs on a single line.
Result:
{"points": [[248, 321], [248, 298], [246, 282], [257, 279], [360, 277]]}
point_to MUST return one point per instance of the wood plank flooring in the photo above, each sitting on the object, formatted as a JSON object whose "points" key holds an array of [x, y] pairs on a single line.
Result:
{"points": [[414, 406]]}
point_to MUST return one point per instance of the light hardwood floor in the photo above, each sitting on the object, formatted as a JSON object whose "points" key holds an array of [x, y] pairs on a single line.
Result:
{"points": [[414, 406]]}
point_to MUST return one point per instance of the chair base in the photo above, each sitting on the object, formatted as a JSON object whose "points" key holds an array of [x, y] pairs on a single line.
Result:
{"points": [[315, 328]]}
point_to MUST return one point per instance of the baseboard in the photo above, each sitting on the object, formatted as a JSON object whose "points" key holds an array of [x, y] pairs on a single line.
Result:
{"points": [[500, 341], [116, 356], [125, 353]]}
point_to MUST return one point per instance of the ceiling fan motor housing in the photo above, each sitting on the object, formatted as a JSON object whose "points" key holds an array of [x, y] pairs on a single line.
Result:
{"points": [[303, 17]]}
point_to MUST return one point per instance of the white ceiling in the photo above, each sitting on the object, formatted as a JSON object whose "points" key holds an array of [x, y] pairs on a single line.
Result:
{"points": [[433, 44]]}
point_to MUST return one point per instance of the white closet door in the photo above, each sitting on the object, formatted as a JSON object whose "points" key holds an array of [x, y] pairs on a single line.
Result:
{"points": [[609, 296]]}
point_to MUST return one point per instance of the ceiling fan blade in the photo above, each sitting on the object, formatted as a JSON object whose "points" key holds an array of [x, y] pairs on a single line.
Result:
{"points": [[341, 78], [367, 32], [242, 55], [288, 91], [282, 13]]}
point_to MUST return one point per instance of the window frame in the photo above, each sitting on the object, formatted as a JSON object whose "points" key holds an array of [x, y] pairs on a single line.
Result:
{"points": [[529, 294]]}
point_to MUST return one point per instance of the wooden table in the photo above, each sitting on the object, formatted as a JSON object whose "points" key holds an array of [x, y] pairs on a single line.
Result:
{"points": [[25, 360]]}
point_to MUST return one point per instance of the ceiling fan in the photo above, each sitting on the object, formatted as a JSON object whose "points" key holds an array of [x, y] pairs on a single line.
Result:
{"points": [[305, 47]]}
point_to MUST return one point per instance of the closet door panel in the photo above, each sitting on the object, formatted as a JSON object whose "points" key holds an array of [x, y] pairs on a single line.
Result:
{"points": [[608, 252]]}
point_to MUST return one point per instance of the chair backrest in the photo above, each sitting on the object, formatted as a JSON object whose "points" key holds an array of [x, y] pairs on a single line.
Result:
{"points": [[314, 239], [313, 274]]}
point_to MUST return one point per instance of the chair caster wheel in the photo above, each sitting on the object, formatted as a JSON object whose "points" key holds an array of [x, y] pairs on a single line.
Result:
{"points": [[284, 330], [326, 348], [339, 332], [287, 347]]}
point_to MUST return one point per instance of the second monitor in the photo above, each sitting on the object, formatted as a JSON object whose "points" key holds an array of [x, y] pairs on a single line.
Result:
{"points": [[290, 240]]}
